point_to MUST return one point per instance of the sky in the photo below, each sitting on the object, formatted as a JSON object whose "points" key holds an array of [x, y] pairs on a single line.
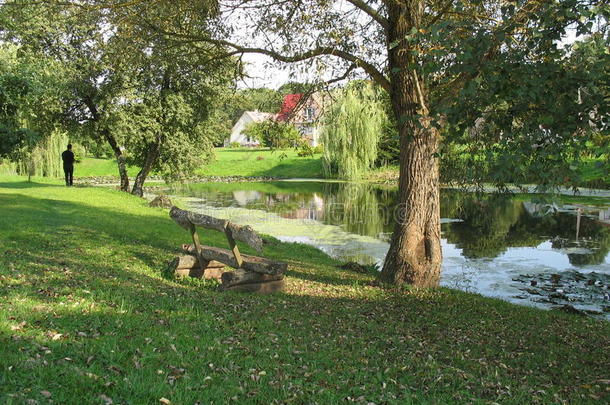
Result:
{"points": [[261, 73]]}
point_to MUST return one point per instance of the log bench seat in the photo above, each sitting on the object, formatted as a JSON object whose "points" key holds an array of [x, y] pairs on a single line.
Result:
{"points": [[251, 274]]}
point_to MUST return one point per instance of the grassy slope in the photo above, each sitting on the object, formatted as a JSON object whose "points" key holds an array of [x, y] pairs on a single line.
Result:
{"points": [[247, 162], [87, 315], [228, 162], [92, 167]]}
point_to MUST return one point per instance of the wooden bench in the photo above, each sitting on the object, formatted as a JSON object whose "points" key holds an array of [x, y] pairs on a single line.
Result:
{"points": [[252, 274]]}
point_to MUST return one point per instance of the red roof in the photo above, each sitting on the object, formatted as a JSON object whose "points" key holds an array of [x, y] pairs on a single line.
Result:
{"points": [[288, 106]]}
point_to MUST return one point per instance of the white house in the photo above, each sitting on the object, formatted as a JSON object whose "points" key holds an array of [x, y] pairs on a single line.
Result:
{"points": [[248, 117]]}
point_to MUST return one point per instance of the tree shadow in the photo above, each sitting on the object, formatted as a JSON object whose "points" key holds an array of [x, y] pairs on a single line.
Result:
{"points": [[26, 184]]}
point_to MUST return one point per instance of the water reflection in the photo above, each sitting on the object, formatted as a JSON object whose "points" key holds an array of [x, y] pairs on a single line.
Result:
{"points": [[489, 240]]}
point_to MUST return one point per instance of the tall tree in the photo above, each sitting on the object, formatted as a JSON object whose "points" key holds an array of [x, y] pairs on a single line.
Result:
{"points": [[30, 103], [163, 120]]}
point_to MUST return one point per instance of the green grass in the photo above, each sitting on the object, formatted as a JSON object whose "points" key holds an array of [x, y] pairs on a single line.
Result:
{"points": [[262, 162], [92, 167], [87, 316], [248, 162]]}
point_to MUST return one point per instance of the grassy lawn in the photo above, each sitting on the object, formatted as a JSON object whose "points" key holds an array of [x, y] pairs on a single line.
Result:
{"points": [[262, 162], [92, 167], [228, 162], [88, 317]]}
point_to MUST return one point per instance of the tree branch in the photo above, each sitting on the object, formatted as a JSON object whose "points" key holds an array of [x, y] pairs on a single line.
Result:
{"points": [[458, 83], [371, 70], [373, 13]]}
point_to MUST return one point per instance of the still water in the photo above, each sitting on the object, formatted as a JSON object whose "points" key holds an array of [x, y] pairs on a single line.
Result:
{"points": [[522, 248]]}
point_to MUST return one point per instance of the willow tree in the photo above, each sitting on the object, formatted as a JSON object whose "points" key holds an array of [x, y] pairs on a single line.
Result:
{"points": [[351, 132], [433, 57]]}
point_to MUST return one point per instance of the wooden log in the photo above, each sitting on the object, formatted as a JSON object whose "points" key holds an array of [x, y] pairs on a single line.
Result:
{"points": [[251, 263], [189, 266], [196, 272], [241, 276], [259, 288], [189, 262], [234, 248], [242, 233]]}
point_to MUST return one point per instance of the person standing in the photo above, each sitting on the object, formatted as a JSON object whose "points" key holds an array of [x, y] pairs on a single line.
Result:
{"points": [[68, 158]]}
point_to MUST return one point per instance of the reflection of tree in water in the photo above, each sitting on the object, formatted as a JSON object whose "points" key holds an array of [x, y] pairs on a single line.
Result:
{"points": [[592, 237], [361, 209], [493, 223]]}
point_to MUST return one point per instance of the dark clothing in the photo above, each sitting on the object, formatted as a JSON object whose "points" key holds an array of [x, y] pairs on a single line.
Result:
{"points": [[68, 157], [69, 172]]}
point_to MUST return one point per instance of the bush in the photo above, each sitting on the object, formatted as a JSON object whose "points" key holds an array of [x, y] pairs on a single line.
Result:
{"points": [[305, 150], [234, 145], [318, 149], [274, 134]]}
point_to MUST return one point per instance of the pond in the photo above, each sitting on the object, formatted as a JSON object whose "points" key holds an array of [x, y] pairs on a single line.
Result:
{"points": [[523, 248]]}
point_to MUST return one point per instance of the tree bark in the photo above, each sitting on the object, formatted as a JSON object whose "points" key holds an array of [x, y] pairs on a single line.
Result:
{"points": [[118, 153], [120, 159], [241, 276], [415, 253], [152, 154]]}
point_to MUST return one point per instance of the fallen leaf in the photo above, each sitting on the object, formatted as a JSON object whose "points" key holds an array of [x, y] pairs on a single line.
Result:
{"points": [[165, 401], [107, 400]]}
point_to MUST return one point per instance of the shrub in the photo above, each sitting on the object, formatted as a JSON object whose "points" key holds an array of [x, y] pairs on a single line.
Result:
{"points": [[273, 134], [305, 150]]}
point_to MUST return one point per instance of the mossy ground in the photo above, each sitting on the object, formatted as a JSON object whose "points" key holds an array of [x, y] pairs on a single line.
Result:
{"points": [[88, 316]]}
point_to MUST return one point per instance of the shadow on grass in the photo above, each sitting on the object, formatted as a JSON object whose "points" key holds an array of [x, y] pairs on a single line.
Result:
{"points": [[27, 184]]}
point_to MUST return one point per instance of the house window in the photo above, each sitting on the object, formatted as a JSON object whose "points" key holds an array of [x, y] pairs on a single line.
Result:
{"points": [[310, 113]]}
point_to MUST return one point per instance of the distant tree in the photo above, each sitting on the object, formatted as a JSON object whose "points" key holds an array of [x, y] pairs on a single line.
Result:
{"points": [[81, 43], [116, 69], [274, 134]]}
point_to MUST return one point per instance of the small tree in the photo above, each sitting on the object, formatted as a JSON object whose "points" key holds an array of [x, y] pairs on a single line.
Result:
{"points": [[351, 133]]}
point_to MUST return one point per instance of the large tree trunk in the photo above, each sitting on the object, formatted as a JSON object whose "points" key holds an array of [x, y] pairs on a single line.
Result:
{"points": [[120, 159], [105, 132], [152, 155], [415, 251]]}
